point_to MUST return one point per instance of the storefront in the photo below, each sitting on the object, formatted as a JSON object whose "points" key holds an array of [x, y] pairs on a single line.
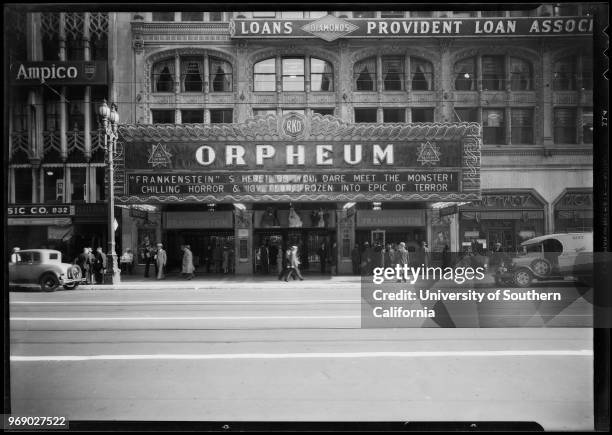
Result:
{"points": [[292, 180], [573, 211]]}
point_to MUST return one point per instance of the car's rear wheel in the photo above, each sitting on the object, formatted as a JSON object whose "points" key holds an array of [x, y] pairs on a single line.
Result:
{"points": [[522, 278], [49, 282], [541, 267]]}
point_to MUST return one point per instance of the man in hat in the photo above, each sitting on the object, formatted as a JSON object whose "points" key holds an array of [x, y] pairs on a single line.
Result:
{"points": [[161, 258], [15, 257]]}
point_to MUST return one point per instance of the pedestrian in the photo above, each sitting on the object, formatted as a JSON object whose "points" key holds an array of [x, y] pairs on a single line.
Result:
{"points": [[15, 257], [322, 253], [99, 266], [147, 254], [264, 255], [187, 267], [284, 273], [127, 261], [83, 262], [389, 256], [91, 260], [333, 261], [225, 263], [425, 253], [402, 258], [356, 259], [160, 260], [294, 264], [367, 259]]}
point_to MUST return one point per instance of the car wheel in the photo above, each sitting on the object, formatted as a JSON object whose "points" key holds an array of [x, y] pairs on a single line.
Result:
{"points": [[522, 278], [541, 267], [49, 282]]}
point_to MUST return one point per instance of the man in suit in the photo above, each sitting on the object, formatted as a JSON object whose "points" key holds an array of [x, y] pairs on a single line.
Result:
{"points": [[161, 259]]}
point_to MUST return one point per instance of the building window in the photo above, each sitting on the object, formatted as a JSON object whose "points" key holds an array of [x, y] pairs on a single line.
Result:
{"points": [[492, 14], [466, 114], [78, 184], [393, 73], [365, 75], [519, 14], [464, 14], [392, 14], [493, 131], [163, 76], [421, 14], [163, 116], [54, 184], [364, 14], [264, 112], [317, 14], [20, 117], [192, 116], [587, 126], [264, 75], [23, 186], [221, 116], [289, 15], [321, 76], [421, 74], [191, 74], [564, 74], [264, 14], [465, 74], [325, 111], [215, 16], [163, 16], [422, 114], [521, 75], [98, 48], [394, 115], [286, 111], [52, 120], [365, 115], [192, 16], [220, 75], [493, 75], [521, 124], [565, 125], [565, 10], [293, 74], [75, 49], [76, 118]]}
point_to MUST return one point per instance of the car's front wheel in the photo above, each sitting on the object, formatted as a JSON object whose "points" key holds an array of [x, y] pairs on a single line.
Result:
{"points": [[49, 282], [522, 278]]}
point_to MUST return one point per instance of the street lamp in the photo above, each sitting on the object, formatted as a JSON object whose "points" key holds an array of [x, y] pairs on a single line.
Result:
{"points": [[110, 121]]}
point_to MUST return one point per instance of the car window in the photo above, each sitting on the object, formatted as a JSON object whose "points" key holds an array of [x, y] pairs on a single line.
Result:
{"points": [[25, 257], [53, 256]]}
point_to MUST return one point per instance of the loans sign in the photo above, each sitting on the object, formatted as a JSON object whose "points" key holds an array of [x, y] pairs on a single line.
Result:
{"points": [[298, 158], [331, 28]]}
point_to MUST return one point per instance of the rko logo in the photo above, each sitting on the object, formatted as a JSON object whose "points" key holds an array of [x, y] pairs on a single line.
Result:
{"points": [[293, 125]]}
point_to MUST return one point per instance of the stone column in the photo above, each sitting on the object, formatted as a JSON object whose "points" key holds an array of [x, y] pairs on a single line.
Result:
{"points": [[243, 240]]}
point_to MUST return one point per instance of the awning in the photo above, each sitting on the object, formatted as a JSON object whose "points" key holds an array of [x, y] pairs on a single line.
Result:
{"points": [[61, 222]]}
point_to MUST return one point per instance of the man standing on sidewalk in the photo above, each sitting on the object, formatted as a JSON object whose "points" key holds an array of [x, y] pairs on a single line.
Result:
{"points": [[147, 254], [187, 269], [161, 259]]}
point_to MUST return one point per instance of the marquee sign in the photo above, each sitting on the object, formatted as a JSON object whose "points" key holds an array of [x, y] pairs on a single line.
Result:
{"points": [[331, 28], [58, 73], [298, 158]]}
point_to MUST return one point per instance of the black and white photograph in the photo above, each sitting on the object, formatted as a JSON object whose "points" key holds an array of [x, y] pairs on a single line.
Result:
{"points": [[235, 216]]}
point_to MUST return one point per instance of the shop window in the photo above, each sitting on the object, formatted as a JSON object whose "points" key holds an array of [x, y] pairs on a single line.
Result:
{"points": [[23, 186], [393, 73], [465, 74], [54, 185], [192, 116], [519, 14], [521, 75], [493, 130], [521, 124], [365, 115], [52, 119], [364, 14], [221, 116], [394, 115], [392, 14], [565, 10], [220, 75], [324, 111], [163, 116], [493, 73], [565, 125], [469, 114], [422, 114], [421, 74], [78, 184], [264, 112], [215, 16], [293, 74], [365, 75], [464, 14], [421, 14], [321, 75], [163, 76], [587, 126], [192, 16], [163, 16], [264, 75], [564, 74], [191, 74]]}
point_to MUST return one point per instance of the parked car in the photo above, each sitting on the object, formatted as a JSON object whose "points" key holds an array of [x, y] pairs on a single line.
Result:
{"points": [[43, 268], [554, 256]]}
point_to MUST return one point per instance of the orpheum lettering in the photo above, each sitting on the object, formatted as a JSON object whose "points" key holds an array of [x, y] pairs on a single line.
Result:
{"points": [[46, 72]]}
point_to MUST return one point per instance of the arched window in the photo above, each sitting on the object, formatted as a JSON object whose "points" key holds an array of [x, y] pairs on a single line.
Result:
{"points": [[220, 73], [191, 74], [163, 76], [364, 75], [465, 74], [564, 74], [321, 75], [493, 73], [521, 75], [421, 74], [264, 75]]}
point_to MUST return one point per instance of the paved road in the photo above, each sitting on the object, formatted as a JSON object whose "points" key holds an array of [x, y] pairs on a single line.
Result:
{"points": [[268, 351]]}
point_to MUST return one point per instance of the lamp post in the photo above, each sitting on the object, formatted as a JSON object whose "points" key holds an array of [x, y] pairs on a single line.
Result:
{"points": [[110, 120]]}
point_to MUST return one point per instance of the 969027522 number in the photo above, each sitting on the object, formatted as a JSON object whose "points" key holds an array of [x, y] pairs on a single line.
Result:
{"points": [[24, 422]]}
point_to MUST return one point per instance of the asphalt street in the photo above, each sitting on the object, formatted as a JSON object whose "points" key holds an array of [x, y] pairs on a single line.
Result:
{"points": [[232, 349]]}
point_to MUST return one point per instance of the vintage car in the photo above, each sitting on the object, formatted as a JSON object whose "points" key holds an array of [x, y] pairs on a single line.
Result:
{"points": [[43, 268], [554, 256]]}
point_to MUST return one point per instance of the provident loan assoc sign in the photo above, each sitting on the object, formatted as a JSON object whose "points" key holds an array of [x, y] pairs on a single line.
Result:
{"points": [[331, 28], [298, 158]]}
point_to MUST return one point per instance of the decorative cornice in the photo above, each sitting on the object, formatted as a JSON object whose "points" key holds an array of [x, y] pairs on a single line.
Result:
{"points": [[180, 27]]}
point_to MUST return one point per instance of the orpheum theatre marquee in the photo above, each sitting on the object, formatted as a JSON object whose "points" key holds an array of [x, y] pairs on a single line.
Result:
{"points": [[297, 158]]}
